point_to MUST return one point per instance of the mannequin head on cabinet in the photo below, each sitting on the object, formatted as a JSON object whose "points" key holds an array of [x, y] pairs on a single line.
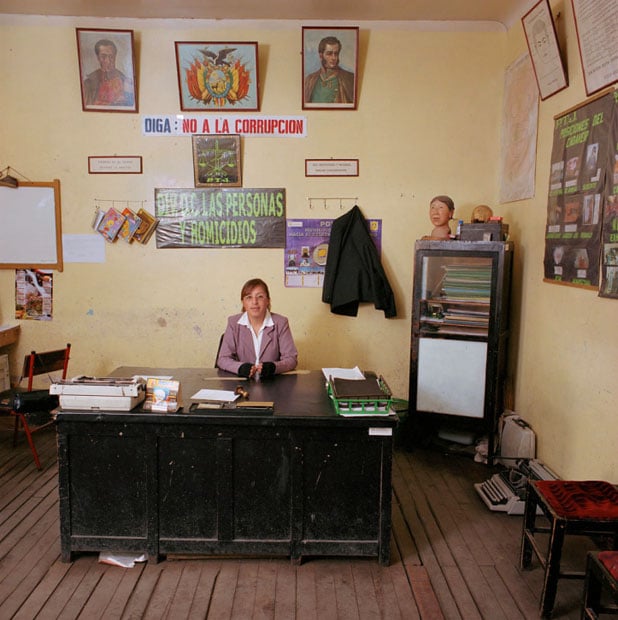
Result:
{"points": [[441, 209]]}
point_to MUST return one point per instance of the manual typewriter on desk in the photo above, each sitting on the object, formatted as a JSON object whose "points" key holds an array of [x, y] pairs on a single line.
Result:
{"points": [[506, 490]]}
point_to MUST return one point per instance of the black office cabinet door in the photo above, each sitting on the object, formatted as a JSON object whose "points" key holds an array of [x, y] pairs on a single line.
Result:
{"points": [[342, 488], [187, 486], [218, 485], [260, 507], [108, 473]]}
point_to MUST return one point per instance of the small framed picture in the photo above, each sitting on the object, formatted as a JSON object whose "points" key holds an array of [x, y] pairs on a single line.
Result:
{"points": [[216, 160], [542, 40], [331, 167], [106, 70], [330, 68], [217, 76], [115, 164]]}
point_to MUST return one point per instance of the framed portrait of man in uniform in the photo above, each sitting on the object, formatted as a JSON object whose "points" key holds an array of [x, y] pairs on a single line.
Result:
{"points": [[330, 68], [107, 70]]}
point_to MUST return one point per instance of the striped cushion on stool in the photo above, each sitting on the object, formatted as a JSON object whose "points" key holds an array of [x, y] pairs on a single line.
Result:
{"points": [[580, 499]]}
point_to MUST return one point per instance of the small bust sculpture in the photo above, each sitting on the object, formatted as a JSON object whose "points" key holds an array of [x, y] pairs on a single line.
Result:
{"points": [[441, 209], [481, 214]]}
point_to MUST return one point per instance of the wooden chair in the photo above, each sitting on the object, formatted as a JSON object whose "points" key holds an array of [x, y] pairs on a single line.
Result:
{"points": [[584, 508], [37, 364], [601, 585]]}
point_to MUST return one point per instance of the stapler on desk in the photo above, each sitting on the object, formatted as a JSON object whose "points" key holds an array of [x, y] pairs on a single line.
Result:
{"points": [[239, 407]]}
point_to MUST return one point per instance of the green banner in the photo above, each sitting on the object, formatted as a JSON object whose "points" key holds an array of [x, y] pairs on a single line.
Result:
{"points": [[220, 218]]}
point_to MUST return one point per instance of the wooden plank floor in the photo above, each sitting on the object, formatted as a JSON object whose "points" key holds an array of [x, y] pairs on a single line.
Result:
{"points": [[451, 558]]}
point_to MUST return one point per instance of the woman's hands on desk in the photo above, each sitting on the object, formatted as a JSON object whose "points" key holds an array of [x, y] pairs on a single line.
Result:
{"points": [[263, 370]]}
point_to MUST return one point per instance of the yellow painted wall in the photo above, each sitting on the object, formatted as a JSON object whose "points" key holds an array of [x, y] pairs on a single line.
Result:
{"points": [[566, 345], [428, 122]]}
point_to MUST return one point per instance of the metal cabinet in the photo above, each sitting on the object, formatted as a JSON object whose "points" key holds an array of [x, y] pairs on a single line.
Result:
{"points": [[460, 330]]}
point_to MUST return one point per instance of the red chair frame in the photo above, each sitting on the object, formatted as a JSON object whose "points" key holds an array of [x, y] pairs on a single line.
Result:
{"points": [[38, 364]]}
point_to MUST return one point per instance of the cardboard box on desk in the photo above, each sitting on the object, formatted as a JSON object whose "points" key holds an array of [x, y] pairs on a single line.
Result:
{"points": [[162, 395], [484, 231]]}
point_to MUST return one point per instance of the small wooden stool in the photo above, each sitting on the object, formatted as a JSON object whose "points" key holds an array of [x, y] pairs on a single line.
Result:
{"points": [[601, 577], [586, 507]]}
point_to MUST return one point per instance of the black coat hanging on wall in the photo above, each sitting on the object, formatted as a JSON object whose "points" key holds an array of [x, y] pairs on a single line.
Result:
{"points": [[353, 272]]}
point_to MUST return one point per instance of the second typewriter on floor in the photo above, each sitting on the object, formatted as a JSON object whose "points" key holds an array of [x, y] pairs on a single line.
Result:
{"points": [[506, 490]]}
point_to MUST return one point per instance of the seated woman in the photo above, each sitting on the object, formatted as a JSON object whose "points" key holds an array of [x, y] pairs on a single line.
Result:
{"points": [[257, 344]]}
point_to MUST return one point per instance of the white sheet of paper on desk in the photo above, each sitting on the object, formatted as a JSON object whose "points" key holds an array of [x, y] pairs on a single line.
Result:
{"points": [[224, 396], [343, 373]]}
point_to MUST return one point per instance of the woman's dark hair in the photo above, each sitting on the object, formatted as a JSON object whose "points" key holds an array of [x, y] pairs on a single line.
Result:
{"points": [[249, 285]]}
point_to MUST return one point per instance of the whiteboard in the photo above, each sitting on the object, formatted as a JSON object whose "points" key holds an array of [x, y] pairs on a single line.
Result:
{"points": [[30, 226], [451, 377]]}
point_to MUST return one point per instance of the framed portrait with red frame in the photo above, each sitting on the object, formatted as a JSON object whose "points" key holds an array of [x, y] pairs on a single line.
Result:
{"points": [[330, 68], [107, 70]]}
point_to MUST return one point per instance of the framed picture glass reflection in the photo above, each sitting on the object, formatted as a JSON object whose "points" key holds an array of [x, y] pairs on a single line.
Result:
{"points": [[544, 51], [217, 76], [330, 68], [216, 160], [107, 70]]}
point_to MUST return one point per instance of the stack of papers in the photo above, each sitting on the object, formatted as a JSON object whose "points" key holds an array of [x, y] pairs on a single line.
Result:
{"points": [[369, 388], [343, 373], [219, 396]]}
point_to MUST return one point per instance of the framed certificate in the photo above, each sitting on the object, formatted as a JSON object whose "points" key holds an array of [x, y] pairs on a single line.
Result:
{"points": [[544, 50], [595, 23], [331, 167]]}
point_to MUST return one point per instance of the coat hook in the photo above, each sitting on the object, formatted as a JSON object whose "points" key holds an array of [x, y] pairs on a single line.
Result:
{"points": [[325, 207]]}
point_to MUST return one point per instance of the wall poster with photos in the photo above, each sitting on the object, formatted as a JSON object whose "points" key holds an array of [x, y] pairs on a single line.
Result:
{"points": [[581, 235]]}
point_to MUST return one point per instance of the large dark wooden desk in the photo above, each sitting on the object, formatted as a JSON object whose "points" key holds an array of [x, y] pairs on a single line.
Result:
{"points": [[301, 482]]}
